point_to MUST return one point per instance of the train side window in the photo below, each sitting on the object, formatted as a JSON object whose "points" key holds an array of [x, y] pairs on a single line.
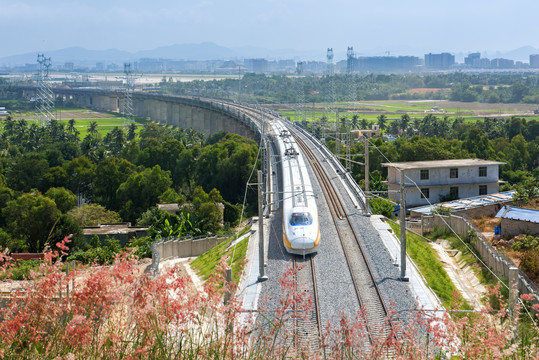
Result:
{"points": [[301, 219]]}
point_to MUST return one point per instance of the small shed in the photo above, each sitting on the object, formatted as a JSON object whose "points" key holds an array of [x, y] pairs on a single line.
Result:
{"points": [[515, 220]]}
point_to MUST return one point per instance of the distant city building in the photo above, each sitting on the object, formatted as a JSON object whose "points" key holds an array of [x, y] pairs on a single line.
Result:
{"points": [[439, 61], [100, 66], [534, 61], [314, 67], [69, 66], [256, 65], [385, 63], [502, 63], [469, 60]]}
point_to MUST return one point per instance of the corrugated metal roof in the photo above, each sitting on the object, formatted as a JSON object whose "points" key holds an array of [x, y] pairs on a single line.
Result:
{"points": [[515, 213], [468, 203]]}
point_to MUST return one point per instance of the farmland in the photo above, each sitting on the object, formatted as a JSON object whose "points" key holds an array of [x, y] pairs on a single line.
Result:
{"points": [[393, 109]]}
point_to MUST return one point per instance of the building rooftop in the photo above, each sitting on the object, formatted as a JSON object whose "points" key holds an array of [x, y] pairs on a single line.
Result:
{"points": [[118, 228], [409, 165], [468, 203], [515, 213]]}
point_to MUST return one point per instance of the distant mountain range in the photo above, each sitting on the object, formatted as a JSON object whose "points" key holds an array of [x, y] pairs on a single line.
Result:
{"points": [[210, 51]]}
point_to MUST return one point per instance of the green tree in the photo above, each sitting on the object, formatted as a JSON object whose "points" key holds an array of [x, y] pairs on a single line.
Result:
{"points": [[64, 199], [26, 172], [93, 215], [355, 121], [109, 174], [31, 217], [81, 173], [405, 120], [132, 132], [382, 120], [141, 191], [93, 128]]}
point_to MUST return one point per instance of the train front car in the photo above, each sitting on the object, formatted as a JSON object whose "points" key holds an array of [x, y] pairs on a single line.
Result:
{"points": [[301, 233]]}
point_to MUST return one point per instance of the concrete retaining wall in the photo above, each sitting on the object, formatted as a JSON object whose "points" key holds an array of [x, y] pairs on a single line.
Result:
{"points": [[179, 248]]}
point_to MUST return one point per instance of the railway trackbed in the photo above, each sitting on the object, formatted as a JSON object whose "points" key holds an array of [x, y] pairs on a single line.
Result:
{"points": [[307, 324], [366, 288]]}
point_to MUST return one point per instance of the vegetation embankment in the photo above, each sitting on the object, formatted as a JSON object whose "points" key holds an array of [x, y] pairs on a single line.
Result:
{"points": [[424, 256], [231, 249]]}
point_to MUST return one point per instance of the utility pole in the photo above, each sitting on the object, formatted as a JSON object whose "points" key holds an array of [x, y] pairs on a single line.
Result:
{"points": [[367, 175], [269, 175], [337, 137], [261, 275], [402, 213]]}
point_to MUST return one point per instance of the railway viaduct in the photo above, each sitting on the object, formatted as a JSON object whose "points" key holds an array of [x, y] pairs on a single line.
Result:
{"points": [[206, 115]]}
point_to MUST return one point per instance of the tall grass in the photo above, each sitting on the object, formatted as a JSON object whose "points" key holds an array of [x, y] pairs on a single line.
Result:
{"points": [[117, 312]]}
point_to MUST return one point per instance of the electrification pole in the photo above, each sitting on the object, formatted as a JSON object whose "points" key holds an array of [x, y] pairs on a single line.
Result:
{"points": [[261, 276], [402, 213]]}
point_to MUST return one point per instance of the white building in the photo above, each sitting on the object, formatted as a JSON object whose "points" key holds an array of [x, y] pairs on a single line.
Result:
{"points": [[441, 180]]}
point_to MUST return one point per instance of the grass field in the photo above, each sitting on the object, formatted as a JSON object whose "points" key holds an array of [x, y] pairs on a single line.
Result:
{"points": [[83, 117]]}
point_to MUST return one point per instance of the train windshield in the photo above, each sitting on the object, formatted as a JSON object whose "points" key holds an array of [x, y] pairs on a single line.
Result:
{"points": [[301, 219]]}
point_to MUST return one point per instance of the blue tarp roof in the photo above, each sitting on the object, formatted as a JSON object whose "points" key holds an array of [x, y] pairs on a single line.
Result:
{"points": [[515, 213]]}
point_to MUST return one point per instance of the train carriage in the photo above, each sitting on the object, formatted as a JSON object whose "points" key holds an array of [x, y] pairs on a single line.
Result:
{"points": [[301, 233]]}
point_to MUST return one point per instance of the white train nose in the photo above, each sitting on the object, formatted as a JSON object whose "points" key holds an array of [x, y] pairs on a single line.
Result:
{"points": [[302, 243]]}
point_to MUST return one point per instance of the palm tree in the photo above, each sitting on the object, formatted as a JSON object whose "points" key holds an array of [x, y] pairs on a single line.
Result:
{"points": [[344, 123], [132, 131], [405, 120], [92, 128], [355, 121], [9, 126], [364, 124], [382, 119], [71, 126]]}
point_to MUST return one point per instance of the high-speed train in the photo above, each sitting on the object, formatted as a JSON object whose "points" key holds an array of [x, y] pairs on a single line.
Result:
{"points": [[301, 233]]}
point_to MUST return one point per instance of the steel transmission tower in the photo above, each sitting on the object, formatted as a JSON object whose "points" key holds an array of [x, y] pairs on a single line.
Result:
{"points": [[350, 57], [128, 101], [45, 96], [330, 68]]}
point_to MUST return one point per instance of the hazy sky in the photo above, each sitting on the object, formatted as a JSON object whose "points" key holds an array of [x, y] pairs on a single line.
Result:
{"points": [[386, 25]]}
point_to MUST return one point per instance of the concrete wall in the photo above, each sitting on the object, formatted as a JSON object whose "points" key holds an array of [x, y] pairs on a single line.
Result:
{"points": [[176, 248], [512, 227]]}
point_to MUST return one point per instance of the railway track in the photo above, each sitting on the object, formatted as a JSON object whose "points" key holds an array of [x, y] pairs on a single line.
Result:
{"points": [[366, 289], [307, 324]]}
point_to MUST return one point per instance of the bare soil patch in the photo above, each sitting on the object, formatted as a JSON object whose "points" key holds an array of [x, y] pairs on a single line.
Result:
{"points": [[423, 90]]}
